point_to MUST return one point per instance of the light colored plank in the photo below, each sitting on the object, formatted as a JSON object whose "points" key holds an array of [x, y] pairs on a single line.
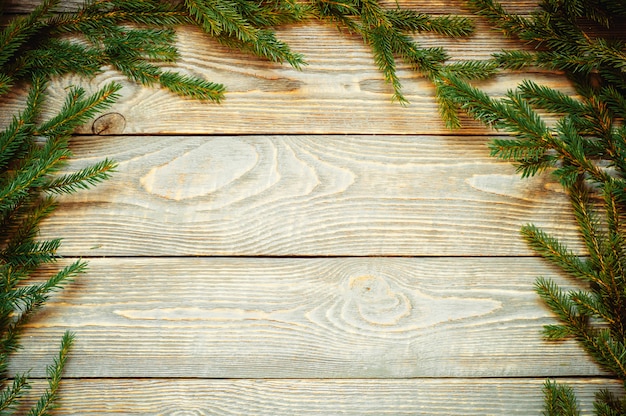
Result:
{"points": [[304, 318], [340, 91], [418, 397], [305, 195]]}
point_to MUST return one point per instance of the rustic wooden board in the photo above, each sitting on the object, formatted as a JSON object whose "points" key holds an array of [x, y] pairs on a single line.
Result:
{"points": [[417, 397], [340, 91], [304, 318], [305, 195]]}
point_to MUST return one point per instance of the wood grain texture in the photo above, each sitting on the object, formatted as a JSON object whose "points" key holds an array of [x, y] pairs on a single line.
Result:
{"points": [[417, 397], [304, 318], [306, 196], [270, 331], [340, 91]]}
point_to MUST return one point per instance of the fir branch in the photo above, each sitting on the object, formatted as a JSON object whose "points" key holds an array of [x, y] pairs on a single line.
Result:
{"points": [[6, 83], [58, 57], [230, 23], [515, 60], [551, 249], [78, 109], [31, 298], [341, 12], [412, 21], [269, 14], [473, 70], [268, 47], [511, 114], [588, 225], [386, 32], [560, 400], [510, 24], [573, 324], [100, 18], [82, 179], [24, 229], [194, 88], [20, 30], [147, 43], [550, 99], [48, 400], [10, 395], [30, 253], [219, 17], [381, 41], [614, 99], [606, 404], [14, 139]]}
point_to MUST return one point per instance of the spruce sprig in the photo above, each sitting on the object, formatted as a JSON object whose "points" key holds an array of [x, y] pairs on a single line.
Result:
{"points": [[560, 400], [584, 150], [242, 25], [49, 399], [388, 33]]}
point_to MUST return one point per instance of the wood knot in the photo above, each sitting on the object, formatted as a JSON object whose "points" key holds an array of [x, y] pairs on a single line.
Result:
{"points": [[377, 302], [110, 123]]}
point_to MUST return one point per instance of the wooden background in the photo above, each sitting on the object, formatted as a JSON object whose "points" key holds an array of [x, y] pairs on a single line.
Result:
{"points": [[305, 248]]}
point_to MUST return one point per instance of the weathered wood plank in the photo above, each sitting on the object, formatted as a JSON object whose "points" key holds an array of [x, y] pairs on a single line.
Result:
{"points": [[340, 91], [415, 397], [305, 195], [304, 318]]}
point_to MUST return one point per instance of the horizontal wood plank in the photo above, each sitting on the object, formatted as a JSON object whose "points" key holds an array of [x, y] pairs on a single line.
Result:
{"points": [[304, 318], [417, 397], [340, 91], [306, 196]]}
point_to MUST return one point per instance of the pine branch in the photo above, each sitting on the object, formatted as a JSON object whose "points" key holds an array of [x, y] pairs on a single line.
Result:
{"points": [[606, 404], [82, 179], [510, 24], [20, 30], [48, 400], [100, 18], [78, 109], [231, 24], [413, 21], [267, 46], [386, 32], [10, 396], [552, 250], [560, 400]]}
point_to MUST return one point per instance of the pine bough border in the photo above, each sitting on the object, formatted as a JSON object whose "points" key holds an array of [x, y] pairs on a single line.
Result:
{"points": [[585, 149]]}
